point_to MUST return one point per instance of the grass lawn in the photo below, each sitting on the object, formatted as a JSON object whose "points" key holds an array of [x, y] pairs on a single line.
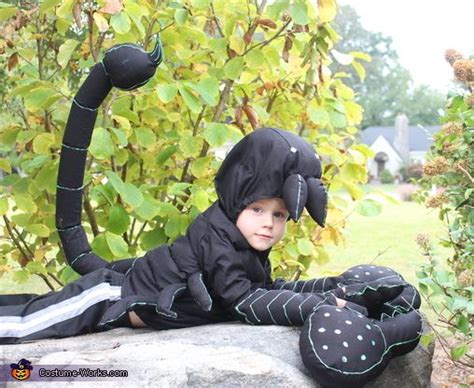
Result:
{"points": [[388, 239]]}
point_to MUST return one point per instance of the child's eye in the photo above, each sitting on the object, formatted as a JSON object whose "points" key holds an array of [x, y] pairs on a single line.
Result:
{"points": [[280, 215], [257, 209]]}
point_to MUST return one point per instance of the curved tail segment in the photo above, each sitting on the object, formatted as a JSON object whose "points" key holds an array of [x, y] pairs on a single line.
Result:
{"points": [[127, 67]]}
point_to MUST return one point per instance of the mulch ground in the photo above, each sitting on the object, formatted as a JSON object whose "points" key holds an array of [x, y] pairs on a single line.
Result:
{"points": [[446, 373]]}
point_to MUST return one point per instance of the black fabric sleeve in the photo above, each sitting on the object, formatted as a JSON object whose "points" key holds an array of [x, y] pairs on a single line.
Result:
{"points": [[311, 285], [229, 284]]}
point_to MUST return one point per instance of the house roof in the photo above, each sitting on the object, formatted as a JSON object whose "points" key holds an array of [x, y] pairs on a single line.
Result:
{"points": [[420, 138]]}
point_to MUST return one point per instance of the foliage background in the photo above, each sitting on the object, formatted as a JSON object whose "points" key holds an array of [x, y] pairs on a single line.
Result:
{"points": [[230, 67]]}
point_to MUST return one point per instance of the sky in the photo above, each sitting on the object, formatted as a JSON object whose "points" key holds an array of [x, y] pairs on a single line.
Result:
{"points": [[422, 30]]}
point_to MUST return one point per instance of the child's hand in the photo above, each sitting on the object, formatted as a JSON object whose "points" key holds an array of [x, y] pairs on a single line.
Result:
{"points": [[340, 302]]}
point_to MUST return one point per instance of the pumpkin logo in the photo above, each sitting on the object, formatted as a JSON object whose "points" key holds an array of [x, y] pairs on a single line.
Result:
{"points": [[22, 370]]}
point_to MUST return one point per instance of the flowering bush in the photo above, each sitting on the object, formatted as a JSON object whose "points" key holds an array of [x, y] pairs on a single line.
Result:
{"points": [[450, 167]]}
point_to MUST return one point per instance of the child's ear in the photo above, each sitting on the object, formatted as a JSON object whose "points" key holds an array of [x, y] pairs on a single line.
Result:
{"points": [[317, 200]]}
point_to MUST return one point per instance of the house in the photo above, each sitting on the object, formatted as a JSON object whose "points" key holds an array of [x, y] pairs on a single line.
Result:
{"points": [[398, 146]]}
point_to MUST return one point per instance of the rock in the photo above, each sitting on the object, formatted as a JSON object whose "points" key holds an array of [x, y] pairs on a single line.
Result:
{"points": [[220, 355]]}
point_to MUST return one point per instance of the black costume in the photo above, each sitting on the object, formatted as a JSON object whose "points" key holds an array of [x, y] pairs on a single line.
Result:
{"points": [[212, 274]]}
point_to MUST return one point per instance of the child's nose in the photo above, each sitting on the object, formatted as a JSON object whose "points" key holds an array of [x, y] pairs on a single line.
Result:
{"points": [[268, 220]]}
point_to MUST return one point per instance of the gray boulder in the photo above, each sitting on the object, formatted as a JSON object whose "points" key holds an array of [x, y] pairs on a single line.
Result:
{"points": [[221, 355]]}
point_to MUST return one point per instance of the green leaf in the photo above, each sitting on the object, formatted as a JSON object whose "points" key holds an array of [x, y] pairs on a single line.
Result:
{"points": [[25, 203], [149, 208], [299, 12], [21, 276], [318, 115], [65, 51], [153, 238], [217, 134], [201, 4], [40, 98], [233, 68], [338, 120], [115, 180], [119, 220], [132, 195], [48, 4], [190, 99], [120, 135], [145, 136], [36, 267], [190, 145], [426, 339], [305, 246], [6, 13], [43, 142], [200, 200], [458, 351], [102, 146], [65, 10], [68, 275], [369, 208], [101, 247], [120, 22], [5, 165], [181, 15], [167, 92], [291, 250], [462, 323], [116, 244], [164, 155], [200, 167], [275, 8], [208, 89], [173, 226], [38, 230], [3, 206]]}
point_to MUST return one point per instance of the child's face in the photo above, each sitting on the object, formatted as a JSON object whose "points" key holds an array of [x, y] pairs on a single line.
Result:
{"points": [[263, 223]]}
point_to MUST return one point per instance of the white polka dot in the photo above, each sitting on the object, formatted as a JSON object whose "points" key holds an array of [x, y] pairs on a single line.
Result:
{"points": [[380, 271], [348, 322], [350, 270], [367, 273], [327, 314], [372, 266], [363, 358], [338, 310], [321, 329], [356, 276], [359, 267], [325, 347], [344, 359], [345, 344], [337, 331], [360, 338], [368, 327], [373, 343]]}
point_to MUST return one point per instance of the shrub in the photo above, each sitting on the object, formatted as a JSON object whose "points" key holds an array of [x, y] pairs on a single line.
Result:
{"points": [[386, 177], [230, 66], [450, 166]]}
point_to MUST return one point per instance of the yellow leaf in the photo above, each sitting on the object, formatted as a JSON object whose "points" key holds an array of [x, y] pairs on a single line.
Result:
{"points": [[327, 10], [101, 22], [353, 112], [359, 69]]}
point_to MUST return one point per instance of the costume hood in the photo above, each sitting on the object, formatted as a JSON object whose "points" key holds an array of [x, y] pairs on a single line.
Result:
{"points": [[271, 163]]}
